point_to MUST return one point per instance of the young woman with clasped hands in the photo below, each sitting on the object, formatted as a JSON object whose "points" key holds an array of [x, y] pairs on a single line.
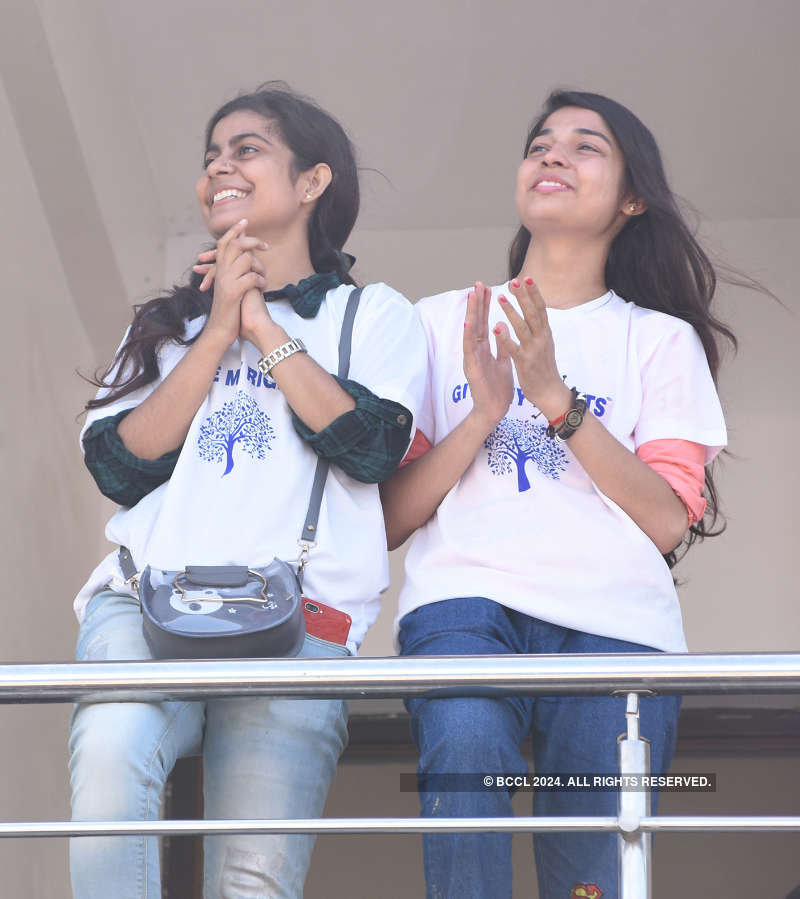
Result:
{"points": [[211, 459], [552, 489]]}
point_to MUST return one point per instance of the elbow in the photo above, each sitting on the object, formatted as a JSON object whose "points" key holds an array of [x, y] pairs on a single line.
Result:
{"points": [[395, 538], [671, 533], [396, 532]]}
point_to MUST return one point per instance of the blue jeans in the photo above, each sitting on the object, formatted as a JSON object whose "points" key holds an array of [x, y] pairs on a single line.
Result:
{"points": [[262, 758], [466, 735]]}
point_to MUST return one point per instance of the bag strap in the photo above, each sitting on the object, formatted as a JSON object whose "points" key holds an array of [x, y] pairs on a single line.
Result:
{"points": [[309, 533]]}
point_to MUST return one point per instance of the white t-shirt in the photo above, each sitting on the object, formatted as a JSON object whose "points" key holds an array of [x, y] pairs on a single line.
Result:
{"points": [[525, 525], [240, 489]]}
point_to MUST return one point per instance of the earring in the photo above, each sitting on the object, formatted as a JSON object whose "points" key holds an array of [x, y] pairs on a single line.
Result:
{"points": [[309, 195]]}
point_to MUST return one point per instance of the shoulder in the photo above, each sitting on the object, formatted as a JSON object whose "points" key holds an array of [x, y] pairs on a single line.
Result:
{"points": [[444, 302], [375, 298], [652, 325], [441, 308], [658, 335]]}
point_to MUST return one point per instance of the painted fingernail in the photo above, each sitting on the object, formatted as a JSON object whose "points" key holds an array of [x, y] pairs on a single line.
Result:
{"points": [[529, 281], [515, 283], [502, 299], [497, 329]]}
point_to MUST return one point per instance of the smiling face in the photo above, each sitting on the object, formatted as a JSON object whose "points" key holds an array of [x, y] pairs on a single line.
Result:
{"points": [[248, 174], [573, 177]]}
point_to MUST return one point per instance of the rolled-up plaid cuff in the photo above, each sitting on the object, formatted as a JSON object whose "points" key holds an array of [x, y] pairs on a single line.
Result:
{"points": [[369, 441]]}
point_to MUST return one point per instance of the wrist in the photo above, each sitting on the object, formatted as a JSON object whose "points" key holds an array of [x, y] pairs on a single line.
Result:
{"points": [[556, 404], [481, 423], [268, 337], [565, 425], [213, 341]]}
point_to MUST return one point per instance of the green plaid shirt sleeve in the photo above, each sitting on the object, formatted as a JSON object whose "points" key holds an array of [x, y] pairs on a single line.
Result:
{"points": [[121, 476], [369, 442]]}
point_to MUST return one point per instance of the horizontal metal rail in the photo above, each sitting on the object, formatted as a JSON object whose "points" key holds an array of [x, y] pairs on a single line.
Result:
{"points": [[394, 825], [382, 678], [631, 675]]}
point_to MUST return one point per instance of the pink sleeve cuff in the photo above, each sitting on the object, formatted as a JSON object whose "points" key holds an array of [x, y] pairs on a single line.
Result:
{"points": [[681, 464]]}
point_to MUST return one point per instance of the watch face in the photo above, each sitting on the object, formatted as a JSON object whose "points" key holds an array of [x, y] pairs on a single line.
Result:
{"points": [[573, 418]]}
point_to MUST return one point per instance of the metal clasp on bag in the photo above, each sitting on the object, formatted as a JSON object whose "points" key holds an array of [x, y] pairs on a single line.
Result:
{"points": [[264, 598], [128, 567], [302, 560]]}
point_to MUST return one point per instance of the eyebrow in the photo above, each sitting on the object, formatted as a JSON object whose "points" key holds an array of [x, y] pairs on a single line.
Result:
{"points": [[239, 137], [578, 131]]}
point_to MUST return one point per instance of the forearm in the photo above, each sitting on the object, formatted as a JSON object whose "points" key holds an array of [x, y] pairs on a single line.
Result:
{"points": [[413, 493], [635, 487], [161, 422], [311, 392]]}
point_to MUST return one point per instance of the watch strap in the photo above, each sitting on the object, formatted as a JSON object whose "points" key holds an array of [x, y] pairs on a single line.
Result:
{"points": [[572, 419], [294, 345]]}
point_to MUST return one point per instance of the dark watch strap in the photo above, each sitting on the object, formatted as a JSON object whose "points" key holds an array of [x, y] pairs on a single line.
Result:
{"points": [[572, 420]]}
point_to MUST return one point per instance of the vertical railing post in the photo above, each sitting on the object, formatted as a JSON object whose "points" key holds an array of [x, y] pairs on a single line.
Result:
{"points": [[635, 869]]}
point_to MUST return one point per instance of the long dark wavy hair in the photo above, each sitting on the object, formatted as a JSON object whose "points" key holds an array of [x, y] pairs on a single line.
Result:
{"points": [[655, 260], [313, 136]]}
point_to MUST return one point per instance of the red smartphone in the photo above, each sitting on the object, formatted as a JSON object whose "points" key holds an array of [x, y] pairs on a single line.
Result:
{"points": [[325, 622]]}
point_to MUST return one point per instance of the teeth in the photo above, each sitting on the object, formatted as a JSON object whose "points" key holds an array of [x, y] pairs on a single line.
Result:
{"points": [[551, 184], [225, 194]]}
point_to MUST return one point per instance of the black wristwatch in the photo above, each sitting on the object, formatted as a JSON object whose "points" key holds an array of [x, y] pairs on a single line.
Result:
{"points": [[572, 420]]}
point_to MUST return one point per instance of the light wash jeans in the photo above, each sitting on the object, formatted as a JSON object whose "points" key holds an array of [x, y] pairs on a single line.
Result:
{"points": [[262, 758]]}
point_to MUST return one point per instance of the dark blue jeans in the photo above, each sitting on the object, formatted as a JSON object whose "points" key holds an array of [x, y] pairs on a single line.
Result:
{"points": [[466, 735]]}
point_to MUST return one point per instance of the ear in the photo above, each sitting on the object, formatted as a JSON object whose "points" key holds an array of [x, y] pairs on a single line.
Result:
{"points": [[633, 206], [314, 182]]}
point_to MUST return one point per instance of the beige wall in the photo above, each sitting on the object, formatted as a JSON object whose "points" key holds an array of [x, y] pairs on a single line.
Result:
{"points": [[51, 520]]}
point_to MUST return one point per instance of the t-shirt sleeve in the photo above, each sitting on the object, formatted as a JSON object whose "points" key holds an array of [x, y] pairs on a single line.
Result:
{"points": [[680, 463], [679, 398], [168, 357], [389, 357]]}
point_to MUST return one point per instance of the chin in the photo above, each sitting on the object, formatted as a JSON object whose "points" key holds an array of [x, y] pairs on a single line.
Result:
{"points": [[218, 224]]}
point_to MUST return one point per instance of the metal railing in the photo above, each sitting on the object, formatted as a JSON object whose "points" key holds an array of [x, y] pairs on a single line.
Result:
{"points": [[631, 675]]}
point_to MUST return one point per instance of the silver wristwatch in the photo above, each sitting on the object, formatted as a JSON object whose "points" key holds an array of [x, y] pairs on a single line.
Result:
{"points": [[268, 362]]}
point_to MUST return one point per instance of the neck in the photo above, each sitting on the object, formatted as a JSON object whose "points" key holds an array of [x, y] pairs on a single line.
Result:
{"points": [[568, 270], [287, 259]]}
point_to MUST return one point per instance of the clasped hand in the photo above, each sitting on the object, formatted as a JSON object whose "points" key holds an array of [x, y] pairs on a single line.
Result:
{"points": [[238, 308]]}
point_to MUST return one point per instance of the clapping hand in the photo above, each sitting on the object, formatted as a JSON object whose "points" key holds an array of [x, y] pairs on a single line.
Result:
{"points": [[490, 378], [534, 356]]}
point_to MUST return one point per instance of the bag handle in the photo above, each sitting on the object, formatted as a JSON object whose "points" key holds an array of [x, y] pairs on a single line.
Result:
{"points": [[308, 535]]}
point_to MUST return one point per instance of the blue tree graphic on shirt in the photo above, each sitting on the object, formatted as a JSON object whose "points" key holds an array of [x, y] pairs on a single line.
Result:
{"points": [[238, 421], [515, 441]]}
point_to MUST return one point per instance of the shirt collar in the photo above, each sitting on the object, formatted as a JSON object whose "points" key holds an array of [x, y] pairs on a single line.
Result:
{"points": [[307, 295]]}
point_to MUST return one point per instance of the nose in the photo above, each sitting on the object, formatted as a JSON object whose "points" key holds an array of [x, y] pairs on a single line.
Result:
{"points": [[554, 156], [219, 165]]}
